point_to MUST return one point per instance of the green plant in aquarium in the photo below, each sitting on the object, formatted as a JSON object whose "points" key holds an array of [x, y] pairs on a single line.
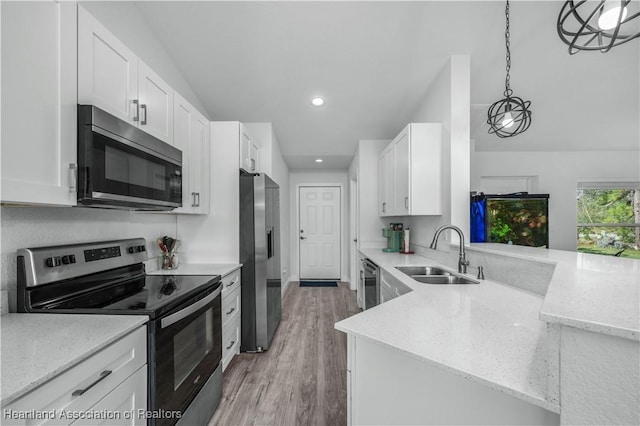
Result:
{"points": [[518, 221]]}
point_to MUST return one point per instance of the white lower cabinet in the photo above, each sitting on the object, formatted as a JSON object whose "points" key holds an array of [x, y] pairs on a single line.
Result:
{"points": [[390, 287], [388, 386], [108, 385], [231, 308]]}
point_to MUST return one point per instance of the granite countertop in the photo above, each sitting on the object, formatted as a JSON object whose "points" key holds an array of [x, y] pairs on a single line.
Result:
{"points": [[221, 269], [489, 333], [592, 292], [38, 347]]}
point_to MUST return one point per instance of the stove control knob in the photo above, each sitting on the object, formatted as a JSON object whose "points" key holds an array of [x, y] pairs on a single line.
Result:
{"points": [[72, 258], [68, 259], [53, 261], [132, 249]]}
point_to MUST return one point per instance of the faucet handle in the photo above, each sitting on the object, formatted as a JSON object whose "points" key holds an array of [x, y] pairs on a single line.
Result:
{"points": [[480, 273]]}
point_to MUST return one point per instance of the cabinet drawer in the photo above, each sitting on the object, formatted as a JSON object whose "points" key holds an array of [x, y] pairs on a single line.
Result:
{"points": [[231, 306], [230, 282], [129, 397], [86, 383], [230, 341]]}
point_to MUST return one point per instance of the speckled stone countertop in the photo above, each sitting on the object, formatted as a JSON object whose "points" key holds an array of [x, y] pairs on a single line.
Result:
{"points": [[489, 333], [592, 292], [199, 269], [38, 347]]}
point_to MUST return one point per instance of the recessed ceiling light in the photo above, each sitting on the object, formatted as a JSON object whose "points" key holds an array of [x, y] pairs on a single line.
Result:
{"points": [[317, 101], [319, 160]]}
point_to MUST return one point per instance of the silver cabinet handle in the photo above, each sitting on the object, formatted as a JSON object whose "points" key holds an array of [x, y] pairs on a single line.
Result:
{"points": [[233, 342], [193, 194], [144, 108], [73, 177], [198, 198], [103, 376], [253, 164], [384, 207], [137, 104], [232, 283], [406, 202], [231, 311]]}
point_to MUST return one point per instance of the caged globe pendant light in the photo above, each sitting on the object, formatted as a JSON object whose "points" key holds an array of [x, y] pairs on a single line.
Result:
{"points": [[597, 25], [509, 116]]}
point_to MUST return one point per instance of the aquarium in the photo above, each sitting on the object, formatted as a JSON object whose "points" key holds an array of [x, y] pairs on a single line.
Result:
{"points": [[520, 219]]}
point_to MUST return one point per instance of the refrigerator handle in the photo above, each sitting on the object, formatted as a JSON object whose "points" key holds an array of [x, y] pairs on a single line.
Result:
{"points": [[270, 242]]}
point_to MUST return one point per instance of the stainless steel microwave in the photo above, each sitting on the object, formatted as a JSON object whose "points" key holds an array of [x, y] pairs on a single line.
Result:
{"points": [[122, 167]]}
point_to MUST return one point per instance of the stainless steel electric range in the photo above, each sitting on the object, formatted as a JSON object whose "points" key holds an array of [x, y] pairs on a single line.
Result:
{"points": [[184, 339]]}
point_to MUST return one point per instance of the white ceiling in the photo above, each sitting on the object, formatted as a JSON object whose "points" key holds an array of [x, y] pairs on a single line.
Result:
{"points": [[374, 61]]}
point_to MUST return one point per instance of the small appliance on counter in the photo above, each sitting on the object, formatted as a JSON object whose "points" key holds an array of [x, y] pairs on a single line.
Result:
{"points": [[394, 237], [405, 249]]}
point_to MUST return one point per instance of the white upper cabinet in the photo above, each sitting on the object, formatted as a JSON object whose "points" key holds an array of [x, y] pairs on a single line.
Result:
{"points": [[248, 151], [155, 99], [199, 160], [107, 70], [112, 78], [39, 102], [410, 167], [191, 136]]}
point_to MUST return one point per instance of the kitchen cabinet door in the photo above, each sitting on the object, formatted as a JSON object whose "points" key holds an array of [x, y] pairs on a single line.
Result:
{"points": [[401, 174], [39, 102], [191, 136], [155, 99], [386, 182], [182, 113], [248, 151], [107, 70], [199, 161]]}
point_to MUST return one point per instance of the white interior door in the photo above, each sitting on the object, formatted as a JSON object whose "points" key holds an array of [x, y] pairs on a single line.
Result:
{"points": [[319, 232]]}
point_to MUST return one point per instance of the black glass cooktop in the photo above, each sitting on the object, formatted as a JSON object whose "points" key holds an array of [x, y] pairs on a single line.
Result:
{"points": [[151, 295]]}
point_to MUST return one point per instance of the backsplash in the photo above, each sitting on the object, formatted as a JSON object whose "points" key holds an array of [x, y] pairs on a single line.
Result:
{"points": [[528, 275], [41, 226]]}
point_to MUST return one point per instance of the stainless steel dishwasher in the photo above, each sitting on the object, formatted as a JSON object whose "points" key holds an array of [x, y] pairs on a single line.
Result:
{"points": [[371, 284]]}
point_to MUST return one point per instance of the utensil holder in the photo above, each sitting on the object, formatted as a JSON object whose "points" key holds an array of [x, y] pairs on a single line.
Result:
{"points": [[169, 261]]}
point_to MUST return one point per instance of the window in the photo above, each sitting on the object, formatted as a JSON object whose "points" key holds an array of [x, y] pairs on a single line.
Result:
{"points": [[609, 218]]}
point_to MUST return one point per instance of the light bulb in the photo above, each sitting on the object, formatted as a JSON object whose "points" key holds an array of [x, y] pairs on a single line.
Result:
{"points": [[610, 13], [507, 120], [317, 101]]}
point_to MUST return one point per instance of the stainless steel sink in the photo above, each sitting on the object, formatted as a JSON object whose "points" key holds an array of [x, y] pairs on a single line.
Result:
{"points": [[444, 279], [422, 270], [434, 275]]}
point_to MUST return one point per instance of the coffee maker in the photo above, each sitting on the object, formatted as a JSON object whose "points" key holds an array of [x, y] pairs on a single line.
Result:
{"points": [[394, 237]]}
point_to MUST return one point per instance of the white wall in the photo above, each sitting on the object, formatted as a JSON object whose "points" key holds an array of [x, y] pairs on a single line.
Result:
{"points": [[448, 102], [213, 238], [299, 178], [124, 20], [557, 174], [23, 227]]}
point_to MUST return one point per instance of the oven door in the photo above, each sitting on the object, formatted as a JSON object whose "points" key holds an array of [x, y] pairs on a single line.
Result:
{"points": [[141, 173], [187, 348]]}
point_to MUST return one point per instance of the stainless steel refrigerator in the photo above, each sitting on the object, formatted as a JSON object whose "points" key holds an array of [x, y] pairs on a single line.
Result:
{"points": [[260, 256]]}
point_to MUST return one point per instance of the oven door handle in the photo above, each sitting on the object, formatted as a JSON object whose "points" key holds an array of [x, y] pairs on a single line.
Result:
{"points": [[173, 318]]}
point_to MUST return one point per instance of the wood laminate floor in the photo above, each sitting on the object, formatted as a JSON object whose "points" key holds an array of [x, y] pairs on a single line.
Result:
{"points": [[301, 379]]}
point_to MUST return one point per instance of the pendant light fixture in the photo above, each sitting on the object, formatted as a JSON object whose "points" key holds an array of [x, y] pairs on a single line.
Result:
{"points": [[509, 116], [598, 25]]}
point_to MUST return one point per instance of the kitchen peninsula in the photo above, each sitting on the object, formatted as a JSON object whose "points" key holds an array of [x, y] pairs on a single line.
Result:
{"points": [[446, 343]]}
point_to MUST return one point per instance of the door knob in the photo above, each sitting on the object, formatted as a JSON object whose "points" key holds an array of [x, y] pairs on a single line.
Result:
{"points": [[303, 238]]}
